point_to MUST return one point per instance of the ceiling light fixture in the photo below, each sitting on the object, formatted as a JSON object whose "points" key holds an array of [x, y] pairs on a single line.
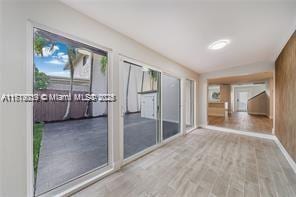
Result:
{"points": [[219, 44]]}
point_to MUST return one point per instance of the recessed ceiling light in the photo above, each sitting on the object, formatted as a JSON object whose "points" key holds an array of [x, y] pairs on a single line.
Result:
{"points": [[219, 44]]}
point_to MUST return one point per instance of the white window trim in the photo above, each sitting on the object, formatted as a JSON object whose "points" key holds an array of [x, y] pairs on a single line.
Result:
{"points": [[181, 108], [195, 105], [121, 127], [99, 173]]}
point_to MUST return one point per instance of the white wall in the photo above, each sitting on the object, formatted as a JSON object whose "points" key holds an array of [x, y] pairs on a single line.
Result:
{"points": [[1, 129], [240, 70], [60, 17]]}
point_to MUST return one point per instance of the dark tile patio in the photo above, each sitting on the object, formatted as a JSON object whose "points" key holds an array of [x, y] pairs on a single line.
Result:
{"points": [[72, 148]]}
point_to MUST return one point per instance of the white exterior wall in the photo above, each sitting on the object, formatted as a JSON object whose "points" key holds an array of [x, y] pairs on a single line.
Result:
{"points": [[82, 71], [135, 82], [99, 86], [55, 15], [134, 87]]}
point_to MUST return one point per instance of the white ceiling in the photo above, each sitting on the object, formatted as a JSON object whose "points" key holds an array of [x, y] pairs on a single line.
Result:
{"points": [[182, 30]]}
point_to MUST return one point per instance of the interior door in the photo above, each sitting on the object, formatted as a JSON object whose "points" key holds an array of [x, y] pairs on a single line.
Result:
{"points": [[242, 101]]}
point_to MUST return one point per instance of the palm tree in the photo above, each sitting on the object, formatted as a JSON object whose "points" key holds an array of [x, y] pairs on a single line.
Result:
{"points": [[127, 87], [87, 111], [142, 84], [72, 56], [40, 42], [104, 64], [153, 78], [104, 68]]}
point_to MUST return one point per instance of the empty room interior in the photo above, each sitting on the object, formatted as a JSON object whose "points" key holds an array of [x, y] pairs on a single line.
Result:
{"points": [[147, 98]]}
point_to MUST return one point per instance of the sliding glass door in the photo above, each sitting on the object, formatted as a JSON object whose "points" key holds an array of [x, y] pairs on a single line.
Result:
{"points": [[141, 96], [189, 104], [170, 106], [70, 133]]}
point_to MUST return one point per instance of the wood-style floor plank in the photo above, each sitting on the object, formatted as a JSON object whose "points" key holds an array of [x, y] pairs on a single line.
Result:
{"points": [[243, 121], [203, 163]]}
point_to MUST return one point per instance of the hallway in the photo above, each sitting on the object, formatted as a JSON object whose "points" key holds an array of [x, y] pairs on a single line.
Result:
{"points": [[243, 121]]}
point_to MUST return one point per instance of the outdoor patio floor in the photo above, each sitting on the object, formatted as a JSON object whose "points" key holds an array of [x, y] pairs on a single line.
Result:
{"points": [[72, 148]]}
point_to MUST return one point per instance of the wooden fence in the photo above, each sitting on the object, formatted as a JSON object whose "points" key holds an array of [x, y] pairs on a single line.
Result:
{"points": [[47, 111]]}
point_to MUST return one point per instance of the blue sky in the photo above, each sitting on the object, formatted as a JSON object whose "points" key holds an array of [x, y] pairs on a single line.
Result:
{"points": [[53, 63]]}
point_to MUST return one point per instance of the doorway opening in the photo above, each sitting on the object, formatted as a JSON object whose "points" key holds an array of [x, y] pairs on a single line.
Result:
{"points": [[242, 102]]}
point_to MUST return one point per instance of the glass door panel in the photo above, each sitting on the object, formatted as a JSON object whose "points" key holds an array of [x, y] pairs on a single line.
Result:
{"points": [[141, 97], [70, 133], [170, 106]]}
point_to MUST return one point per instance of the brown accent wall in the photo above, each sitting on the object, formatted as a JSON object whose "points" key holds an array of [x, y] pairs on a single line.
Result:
{"points": [[285, 101], [225, 93]]}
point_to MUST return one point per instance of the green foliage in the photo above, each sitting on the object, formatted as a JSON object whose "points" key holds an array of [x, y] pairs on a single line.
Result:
{"points": [[41, 80], [104, 63], [73, 56], [37, 137], [153, 75], [39, 43]]}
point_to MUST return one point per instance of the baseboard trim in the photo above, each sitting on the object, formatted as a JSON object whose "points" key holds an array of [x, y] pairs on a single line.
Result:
{"points": [[258, 135], [286, 154], [190, 130], [257, 113], [247, 133]]}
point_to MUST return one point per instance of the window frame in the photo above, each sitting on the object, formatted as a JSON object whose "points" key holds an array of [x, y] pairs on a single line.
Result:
{"points": [[180, 108], [115, 121], [89, 177], [194, 126]]}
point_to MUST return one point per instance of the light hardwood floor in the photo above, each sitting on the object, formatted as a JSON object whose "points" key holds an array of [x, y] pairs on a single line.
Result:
{"points": [[243, 121], [201, 164]]}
